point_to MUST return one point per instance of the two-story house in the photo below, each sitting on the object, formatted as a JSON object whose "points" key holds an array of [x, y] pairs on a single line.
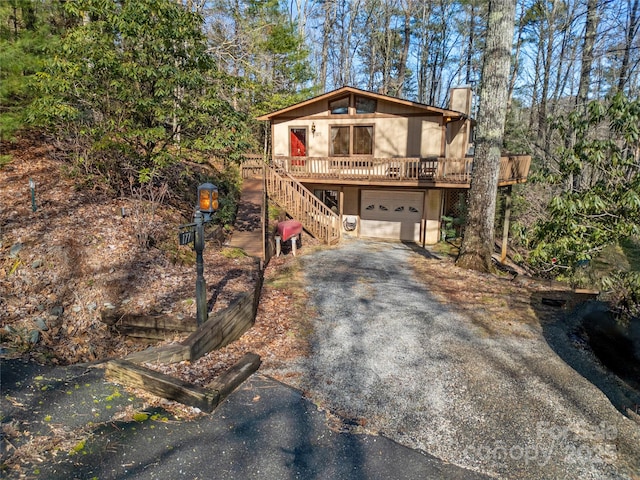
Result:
{"points": [[376, 166]]}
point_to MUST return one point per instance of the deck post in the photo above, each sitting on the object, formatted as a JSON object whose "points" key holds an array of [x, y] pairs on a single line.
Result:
{"points": [[505, 228], [341, 203]]}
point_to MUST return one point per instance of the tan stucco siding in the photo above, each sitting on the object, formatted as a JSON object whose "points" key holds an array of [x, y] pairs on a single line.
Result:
{"points": [[393, 136], [317, 144], [457, 139], [281, 139], [431, 138], [350, 198], [433, 206], [322, 139], [396, 109]]}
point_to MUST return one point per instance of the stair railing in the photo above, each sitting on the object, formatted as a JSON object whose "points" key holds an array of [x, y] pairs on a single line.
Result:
{"points": [[302, 205]]}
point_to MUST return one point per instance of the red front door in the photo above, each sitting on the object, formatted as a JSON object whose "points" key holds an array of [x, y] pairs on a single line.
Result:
{"points": [[298, 145]]}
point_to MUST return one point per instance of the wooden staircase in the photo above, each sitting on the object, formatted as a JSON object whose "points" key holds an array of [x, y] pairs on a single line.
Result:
{"points": [[302, 205]]}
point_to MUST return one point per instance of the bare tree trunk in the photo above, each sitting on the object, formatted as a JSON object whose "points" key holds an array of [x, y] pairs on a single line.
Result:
{"points": [[235, 69], [514, 71], [348, 15], [632, 31], [516, 64], [402, 64], [566, 59], [434, 79], [590, 28], [388, 51], [536, 86], [14, 17], [326, 33], [546, 77], [372, 68], [302, 16], [472, 27], [478, 243], [576, 180], [423, 52]]}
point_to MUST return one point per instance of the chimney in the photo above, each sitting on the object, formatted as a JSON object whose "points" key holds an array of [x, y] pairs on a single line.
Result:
{"points": [[460, 99]]}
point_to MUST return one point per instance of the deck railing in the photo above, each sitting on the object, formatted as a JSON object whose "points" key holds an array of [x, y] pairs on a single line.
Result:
{"points": [[302, 205], [513, 169]]}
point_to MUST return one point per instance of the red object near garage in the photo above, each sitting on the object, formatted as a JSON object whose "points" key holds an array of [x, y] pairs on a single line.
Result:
{"points": [[288, 229]]}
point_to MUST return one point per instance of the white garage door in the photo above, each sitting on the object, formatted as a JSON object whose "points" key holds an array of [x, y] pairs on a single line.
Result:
{"points": [[391, 214]]}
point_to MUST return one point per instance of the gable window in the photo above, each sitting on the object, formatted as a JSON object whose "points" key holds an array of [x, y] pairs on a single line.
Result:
{"points": [[365, 105], [339, 106], [351, 140]]}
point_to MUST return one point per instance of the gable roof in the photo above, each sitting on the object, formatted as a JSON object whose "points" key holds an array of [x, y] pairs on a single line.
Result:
{"points": [[452, 114]]}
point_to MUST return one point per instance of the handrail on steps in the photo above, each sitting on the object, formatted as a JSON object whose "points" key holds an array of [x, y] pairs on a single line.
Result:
{"points": [[301, 204]]}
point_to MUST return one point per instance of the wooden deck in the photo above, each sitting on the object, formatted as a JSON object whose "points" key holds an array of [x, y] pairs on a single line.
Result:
{"points": [[437, 172]]}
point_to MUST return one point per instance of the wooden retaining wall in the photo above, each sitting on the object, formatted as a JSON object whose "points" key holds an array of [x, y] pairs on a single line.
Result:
{"points": [[219, 330], [153, 327], [205, 398]]}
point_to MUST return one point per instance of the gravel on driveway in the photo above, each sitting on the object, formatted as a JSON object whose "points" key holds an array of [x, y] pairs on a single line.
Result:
{"points": [[391, 359]]}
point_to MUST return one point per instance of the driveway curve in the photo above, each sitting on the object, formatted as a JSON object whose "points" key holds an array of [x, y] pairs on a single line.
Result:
{"points": [[391, 359]]}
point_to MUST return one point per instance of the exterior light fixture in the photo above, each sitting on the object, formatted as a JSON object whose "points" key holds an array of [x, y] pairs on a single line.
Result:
{"points": [[206, 206], [207, 200], [313, 128]]}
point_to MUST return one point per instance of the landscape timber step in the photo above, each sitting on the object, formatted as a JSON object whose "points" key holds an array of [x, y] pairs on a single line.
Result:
{"points": [[205, 398]]}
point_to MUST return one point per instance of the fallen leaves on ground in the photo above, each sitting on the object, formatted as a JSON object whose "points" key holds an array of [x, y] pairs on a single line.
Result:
{"points": [[496, 303], [77, 256]]}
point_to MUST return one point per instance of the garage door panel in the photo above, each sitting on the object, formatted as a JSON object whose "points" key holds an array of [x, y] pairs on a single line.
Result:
{"points": [[391, 214], [390, 230]]}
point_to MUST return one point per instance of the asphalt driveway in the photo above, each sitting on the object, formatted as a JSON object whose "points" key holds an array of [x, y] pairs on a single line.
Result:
{"points": [[263, 430], [391, 359], [397, 387]]}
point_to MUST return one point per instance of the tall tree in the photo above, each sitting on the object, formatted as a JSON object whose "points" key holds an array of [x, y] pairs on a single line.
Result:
{"points": [[590, 29], [328, 8], [575, 179], [257, 44], [132, 85], [407, 11], [547, 40], [28, 27], [522, 23], [580, 223], [423, 45], [631, 33], [478, 243], [435, 49]]}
